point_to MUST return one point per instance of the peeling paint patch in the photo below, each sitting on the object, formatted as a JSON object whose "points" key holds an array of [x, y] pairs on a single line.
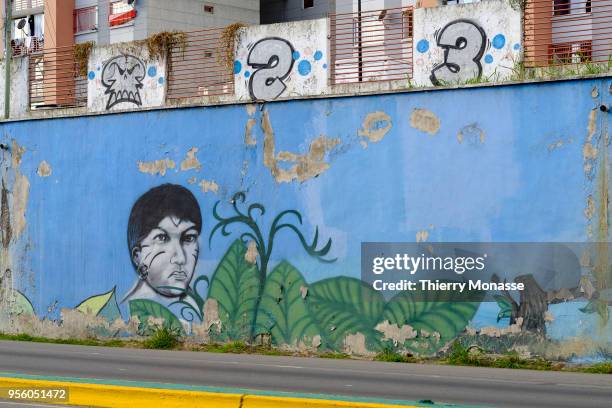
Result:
{"points": [[156, 167], [21, 192], [5, 218], [251, 254], [192, 180], [44, 169], [425, 120], [375, 126], [191, 162], [589, 152], [303, 291], [248, 133], [422, 236], [472, 134], [594, 92], [592, 126], [17, 153], [355, 344], [396, 333], [211, 315], [251, 108], [306, 166], [207, 186], [559, 144], [589, 211]]}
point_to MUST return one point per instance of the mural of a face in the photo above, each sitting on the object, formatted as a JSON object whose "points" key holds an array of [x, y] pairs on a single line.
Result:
{"points": [[167, 256], [163, 231]]}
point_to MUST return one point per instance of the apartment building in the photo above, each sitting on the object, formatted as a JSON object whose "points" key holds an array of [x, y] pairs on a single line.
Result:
{"points": [[38, 24]]}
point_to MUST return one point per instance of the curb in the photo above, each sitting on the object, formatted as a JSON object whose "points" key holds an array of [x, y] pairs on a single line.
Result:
{"points": [[102, 395]]}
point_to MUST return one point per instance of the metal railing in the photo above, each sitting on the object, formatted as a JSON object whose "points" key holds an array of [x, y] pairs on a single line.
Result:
{"points": [[23, 5], [198, 67], [54, 80], [560, 32], [371, 45]]}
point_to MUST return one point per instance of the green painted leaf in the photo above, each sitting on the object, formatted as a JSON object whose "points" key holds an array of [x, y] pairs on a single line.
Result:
{"points": [[282, 310], [505, 307], [22, 305], [104, 305], [341, 306], [504, 314], [235, 286], [441, 312], [145, 308]]}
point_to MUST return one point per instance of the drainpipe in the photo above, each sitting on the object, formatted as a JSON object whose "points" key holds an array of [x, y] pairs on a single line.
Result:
{"points": [[360, 47], [8, 54]]}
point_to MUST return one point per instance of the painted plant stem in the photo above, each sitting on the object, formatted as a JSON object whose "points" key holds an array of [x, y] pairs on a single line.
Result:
{"points": [[264, 249]]}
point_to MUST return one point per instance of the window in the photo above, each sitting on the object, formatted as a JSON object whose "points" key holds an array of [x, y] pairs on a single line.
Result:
{"points": [[85, 19], [587, 8], [561, 7], [308, 3], [209, 9]]}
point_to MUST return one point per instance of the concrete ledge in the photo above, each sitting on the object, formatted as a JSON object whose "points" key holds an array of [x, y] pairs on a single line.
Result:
{"points": [[107, 395]]}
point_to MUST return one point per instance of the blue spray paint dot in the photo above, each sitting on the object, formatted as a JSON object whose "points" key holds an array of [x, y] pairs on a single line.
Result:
{"points": [[499, 41], [91, 75], [152, 71], [324, 66], [247, 74], [517, 46], [318, 55], [296, 55], [304, 67], [422, 46], [97, 69], [237, 67], [160, 80], [488, 58]]}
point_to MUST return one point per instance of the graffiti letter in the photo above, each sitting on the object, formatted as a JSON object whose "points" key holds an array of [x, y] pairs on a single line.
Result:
{"points": [[272, 60], [464, 43], [122, 77]]}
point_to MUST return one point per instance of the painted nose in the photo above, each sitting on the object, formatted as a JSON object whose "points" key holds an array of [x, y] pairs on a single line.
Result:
{"points": [[178, 256]]}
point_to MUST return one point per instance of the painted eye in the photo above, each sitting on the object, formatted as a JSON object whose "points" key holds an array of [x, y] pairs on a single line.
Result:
{"points": [[161, 238], [190, 238]]}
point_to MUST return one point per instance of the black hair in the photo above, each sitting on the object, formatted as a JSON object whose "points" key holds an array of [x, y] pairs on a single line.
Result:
{"points": [[158, 203]]}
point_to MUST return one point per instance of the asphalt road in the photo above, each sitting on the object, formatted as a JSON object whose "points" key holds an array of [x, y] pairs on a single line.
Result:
{"points": [[459, 385]]}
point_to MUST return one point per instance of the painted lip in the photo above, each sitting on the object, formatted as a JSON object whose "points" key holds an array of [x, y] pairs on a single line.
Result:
{"points": [[179, 275]]}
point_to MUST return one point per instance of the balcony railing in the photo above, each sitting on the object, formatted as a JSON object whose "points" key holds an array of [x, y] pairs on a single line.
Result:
{"points": [[23, 5], [371, 45], [197, 69], [559, 32], [54, 79]]}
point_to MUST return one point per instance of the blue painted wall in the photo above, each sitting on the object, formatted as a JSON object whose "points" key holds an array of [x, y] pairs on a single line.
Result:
{"points": [[516, 183]]}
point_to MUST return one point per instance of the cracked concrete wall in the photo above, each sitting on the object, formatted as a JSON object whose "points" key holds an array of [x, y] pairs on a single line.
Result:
{"points": [[486, 164]]}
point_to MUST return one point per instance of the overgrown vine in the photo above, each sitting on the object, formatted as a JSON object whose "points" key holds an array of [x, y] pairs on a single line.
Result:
{"points": [[82, 52]]}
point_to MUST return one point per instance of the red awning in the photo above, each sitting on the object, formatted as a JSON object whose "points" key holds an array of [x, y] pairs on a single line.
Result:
{"points": [[121, 18]]}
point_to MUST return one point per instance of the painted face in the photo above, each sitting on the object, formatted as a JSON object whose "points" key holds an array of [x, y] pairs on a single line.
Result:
{"points": [[170, 253]]}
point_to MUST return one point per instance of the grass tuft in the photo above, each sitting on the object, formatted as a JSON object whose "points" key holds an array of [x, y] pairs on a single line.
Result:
{"points": [[163, 339]]}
